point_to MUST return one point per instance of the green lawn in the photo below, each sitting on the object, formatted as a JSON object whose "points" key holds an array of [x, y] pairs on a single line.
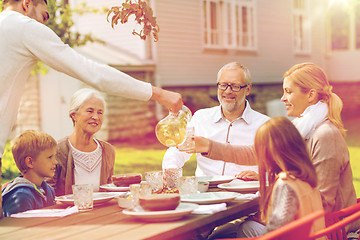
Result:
{"points": [[355, 166], [144, 160]]}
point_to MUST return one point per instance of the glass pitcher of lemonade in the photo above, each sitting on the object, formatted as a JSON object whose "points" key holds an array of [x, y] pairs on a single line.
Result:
{"points": [[171, 130]]}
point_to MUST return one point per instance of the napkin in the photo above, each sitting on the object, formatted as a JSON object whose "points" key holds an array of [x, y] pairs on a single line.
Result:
{"points": [[209, 209], [46, 213], [248, 196]]}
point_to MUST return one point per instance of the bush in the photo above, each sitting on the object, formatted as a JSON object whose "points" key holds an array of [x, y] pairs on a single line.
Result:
{"points": [[9, 169]]}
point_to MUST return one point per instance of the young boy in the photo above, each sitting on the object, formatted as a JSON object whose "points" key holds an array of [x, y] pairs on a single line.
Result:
{"points": [[34, 154]]}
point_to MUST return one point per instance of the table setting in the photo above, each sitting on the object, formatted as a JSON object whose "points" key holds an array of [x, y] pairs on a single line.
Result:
{"points": [[173, 196]]}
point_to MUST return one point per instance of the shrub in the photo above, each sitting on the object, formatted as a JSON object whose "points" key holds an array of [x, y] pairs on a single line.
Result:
{"points": [[9, 169]]}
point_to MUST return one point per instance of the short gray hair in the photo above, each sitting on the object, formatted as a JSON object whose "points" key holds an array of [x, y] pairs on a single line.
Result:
{"points": [[80, 96], [234, 66]]}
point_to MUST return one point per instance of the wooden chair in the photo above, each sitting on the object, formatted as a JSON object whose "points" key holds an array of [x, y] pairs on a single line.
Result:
{"points": [[296, 230], [336, 221], [337, 230]]}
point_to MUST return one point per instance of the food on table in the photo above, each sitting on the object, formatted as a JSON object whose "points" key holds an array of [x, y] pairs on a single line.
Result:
{"points": [[124, 180], [165, 190], [160, 202]]}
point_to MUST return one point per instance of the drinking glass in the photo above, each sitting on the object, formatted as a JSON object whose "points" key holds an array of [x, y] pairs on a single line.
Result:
{"points": [[172, 177], [83, 196], [139, 190], [135, 192], [189, 143], [155, 179], [188, 185]]}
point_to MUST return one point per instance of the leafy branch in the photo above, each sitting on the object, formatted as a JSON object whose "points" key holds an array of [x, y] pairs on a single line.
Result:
{"points": [[143, 16]]}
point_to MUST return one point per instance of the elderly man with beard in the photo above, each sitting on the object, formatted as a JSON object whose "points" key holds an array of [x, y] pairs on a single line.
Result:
{"points": [[233, 122]]}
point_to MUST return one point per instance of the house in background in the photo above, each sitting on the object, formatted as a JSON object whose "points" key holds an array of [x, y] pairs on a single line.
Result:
{"points": [[197, 37]]}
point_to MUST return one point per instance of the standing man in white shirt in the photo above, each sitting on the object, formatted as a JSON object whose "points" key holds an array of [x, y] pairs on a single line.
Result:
{"points": [[24, 39], [233, 121]]}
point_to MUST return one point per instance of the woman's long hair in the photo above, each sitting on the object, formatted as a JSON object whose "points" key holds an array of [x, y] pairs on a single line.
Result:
{"points": [[279, 148], [310, 76]]}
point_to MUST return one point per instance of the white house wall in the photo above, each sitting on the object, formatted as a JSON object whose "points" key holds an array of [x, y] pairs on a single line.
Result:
{"points": [[344, 66], [56, 90], [182, 60], [98, 25]]}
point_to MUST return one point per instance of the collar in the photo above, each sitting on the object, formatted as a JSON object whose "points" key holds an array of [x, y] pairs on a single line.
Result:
{"points": [[246, 116]]}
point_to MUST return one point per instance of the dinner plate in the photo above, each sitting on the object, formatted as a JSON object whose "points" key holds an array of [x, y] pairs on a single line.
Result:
{"points": [[113, 188], [249, 186], [162, 216], [214, 180], [98, 197], [209, 197]]}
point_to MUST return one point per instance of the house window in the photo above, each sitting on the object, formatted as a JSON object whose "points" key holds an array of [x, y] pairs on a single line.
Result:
{"points": [[344, 19], [229, 24], [301, 26]]}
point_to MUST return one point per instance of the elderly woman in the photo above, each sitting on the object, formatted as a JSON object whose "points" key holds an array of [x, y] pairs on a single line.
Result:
{"points": [[81, 157]]}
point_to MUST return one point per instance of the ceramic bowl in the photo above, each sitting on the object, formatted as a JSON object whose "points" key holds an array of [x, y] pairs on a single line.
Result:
{"points": [[203, 186], [125, 202]]}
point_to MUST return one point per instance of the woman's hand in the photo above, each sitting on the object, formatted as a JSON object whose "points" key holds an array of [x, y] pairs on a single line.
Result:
{"points": [[201, 145], [248, 175]]}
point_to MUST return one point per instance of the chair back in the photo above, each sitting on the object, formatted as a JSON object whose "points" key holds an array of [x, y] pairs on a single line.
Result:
{"points": [[334, 217], [296, 230], [332, 231]]}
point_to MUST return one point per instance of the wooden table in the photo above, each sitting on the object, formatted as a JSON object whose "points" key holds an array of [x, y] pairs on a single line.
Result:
{"points": [[108, 222]]}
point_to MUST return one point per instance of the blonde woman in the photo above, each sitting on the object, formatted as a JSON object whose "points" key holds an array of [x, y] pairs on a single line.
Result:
{"points": [[309, 98]]}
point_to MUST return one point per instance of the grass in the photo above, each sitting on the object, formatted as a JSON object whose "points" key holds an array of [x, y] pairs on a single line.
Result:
{"points": [[355, 166], [144, 160]]}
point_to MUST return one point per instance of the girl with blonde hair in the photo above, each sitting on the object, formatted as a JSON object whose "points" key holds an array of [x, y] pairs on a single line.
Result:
{"points": [[287, 179]]}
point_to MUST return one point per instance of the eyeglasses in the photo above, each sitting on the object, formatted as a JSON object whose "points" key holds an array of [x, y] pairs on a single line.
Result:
{"points": [[233, 87]]}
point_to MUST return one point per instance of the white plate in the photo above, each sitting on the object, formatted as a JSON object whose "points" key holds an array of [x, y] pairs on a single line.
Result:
{"points": [[214, 180], [249, 186], [161, 216], [113, 188], [209, 197], [98, 197]]}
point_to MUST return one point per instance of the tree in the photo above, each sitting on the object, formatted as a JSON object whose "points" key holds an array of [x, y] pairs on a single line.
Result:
{"points": [[61, 22], [143, 16]]}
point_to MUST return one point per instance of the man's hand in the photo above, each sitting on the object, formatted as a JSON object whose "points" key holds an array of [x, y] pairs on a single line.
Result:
{"points": [[171, 100], [248, 175]]}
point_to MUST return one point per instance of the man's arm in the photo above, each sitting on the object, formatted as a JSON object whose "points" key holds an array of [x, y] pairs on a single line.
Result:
{"points": [[43, 43]]}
